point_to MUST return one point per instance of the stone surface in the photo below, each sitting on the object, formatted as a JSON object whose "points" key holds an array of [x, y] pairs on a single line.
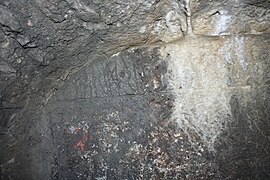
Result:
{"points": [[169, 112], [230, 17], [42, 42], [123, 107], [134, 89], [221, 90]]}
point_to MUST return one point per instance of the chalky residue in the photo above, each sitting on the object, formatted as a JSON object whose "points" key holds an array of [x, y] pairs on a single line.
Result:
{"points": [[223, 23], [240, 51], [234, 51], [197, 78]]}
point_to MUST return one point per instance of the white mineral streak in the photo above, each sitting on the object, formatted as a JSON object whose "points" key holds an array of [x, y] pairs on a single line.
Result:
{"points": [[197, 78], [188, 13], [223, 22], [185, 6], [233, 50], [240, 51]]}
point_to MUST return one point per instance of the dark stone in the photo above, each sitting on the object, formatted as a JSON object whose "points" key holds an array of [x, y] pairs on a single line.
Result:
{"points": [[85, 91]]}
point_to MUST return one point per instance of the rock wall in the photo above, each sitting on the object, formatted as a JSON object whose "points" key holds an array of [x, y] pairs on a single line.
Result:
{"points": [[134, 90]]}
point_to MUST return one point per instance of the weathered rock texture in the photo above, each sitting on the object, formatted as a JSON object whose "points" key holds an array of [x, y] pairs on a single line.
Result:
{"points": [[134, 89]]}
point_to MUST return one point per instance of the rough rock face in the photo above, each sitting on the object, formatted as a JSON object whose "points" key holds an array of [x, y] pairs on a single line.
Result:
{"points": [[134, 90], [236, 17]]}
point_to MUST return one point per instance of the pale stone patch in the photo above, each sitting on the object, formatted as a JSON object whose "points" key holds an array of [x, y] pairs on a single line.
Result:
{"points": [[223, 22], [235, 47], [197, 78], [143, 29]]}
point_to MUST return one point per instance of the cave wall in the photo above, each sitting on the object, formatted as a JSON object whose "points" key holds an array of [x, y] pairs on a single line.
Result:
{"points": [[134, 90]]}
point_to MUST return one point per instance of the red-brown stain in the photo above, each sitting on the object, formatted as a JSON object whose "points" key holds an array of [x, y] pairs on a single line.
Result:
{"points": [[81, 144]]}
